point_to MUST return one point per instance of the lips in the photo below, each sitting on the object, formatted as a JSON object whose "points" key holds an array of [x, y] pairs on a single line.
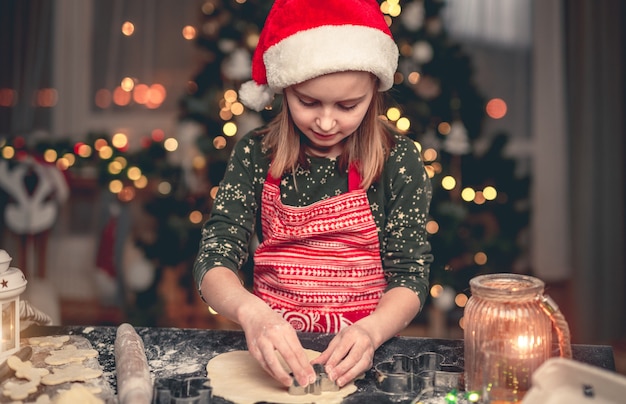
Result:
{"points": [[324, 135]]}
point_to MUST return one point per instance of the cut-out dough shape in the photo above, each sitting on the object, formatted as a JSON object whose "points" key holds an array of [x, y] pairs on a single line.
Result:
{"points": [[92, 388], [19, 391], [69, 354], [25, 370], [238, 377], [78, 394], [42, 399], [74, 372], [55, 342]]}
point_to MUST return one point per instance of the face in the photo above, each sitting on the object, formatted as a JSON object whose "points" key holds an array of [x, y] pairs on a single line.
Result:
{"points": [[328, 109]]}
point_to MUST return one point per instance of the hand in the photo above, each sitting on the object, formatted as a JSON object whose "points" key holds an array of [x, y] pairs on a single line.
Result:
{"points": [[267, 332], [349, 354]]}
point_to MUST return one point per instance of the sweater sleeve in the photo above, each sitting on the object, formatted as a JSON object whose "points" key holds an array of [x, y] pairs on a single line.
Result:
{"points": [[226, 235], [405, 248]]}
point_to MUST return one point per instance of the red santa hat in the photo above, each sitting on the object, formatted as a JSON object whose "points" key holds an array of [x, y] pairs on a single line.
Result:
{"points": [[303, 39]]}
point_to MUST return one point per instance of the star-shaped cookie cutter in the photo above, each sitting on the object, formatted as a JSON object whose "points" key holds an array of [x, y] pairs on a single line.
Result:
{"points": [[322, 383], [405, 374]]}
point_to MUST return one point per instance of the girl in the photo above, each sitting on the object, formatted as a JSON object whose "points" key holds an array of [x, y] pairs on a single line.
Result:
{"points": [[338, 202]]}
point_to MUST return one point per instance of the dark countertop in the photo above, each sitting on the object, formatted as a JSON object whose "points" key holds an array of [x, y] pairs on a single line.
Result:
{"points": [[181, 353]]}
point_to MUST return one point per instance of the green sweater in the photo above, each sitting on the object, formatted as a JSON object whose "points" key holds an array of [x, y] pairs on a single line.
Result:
{"points": [[399, 202]]}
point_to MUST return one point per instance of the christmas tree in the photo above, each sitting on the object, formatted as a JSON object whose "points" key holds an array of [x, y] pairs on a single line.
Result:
{"points": [[479, 209]]}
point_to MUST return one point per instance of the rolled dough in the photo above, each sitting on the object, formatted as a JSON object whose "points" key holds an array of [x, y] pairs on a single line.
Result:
{"points": [[238, 377]]}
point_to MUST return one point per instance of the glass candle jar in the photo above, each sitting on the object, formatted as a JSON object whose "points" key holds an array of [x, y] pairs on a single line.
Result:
{"points": [[504, 307]]}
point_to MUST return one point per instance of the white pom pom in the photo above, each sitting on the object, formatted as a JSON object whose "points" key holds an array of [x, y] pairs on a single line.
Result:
{"points": [[255, 96]]}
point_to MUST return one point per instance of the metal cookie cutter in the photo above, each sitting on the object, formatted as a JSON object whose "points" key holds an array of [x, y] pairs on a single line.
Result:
{"points": [[191, 390], [423, 373], [322, 383]]}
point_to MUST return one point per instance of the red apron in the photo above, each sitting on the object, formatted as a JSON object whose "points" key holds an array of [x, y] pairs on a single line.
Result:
{"points": [[319, 266]]}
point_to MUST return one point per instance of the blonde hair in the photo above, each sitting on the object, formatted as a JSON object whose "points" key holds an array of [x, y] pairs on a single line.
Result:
{"points": [[368, 147]]}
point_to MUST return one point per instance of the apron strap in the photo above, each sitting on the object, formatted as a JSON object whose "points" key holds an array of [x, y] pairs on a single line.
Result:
{"points": [[354, 177]]}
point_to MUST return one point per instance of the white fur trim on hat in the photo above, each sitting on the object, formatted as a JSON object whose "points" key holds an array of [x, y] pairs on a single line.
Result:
{"points": [[328, 49], [255, 96]]}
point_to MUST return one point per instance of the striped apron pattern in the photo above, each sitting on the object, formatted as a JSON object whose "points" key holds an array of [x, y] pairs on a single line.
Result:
{"points": [[319, 266]]}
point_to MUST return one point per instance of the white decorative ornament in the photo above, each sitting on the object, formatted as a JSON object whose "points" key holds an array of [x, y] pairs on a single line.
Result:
{"points": [[187, 135], [226, 45], [430, 140], [32, 213], [445, 300], [457, 141], [413, 15], [422, 52], [138, 271], [237, 65]]}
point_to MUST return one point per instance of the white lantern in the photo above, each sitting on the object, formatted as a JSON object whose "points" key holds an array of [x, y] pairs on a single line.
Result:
{"points": [[12, 284]]}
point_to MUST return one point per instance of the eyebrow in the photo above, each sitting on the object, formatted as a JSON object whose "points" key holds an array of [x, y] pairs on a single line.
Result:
{"points": [[350, 100]]}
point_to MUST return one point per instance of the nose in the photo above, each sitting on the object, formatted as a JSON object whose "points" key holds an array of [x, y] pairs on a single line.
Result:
{"points": [[326, 122]]}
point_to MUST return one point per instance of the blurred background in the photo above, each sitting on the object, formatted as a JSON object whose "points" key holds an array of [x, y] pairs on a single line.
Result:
{"points": [[117, 118]]}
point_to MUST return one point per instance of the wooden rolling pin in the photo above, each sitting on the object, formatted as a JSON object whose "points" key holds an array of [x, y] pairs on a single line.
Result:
{"points": [[134, 384]]}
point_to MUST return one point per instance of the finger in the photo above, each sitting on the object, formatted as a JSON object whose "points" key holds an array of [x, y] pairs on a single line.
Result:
{"points": [[337, 350], [353, 365], [297, 361], [273, 366]]}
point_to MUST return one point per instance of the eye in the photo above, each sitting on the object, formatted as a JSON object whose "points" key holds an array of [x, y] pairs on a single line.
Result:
{"points": [[347, 107], [307, 103]]}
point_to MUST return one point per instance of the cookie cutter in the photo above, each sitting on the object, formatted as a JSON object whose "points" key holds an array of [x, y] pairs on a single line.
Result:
{"points": [[322, 383], [190, 390], [424, 373]]}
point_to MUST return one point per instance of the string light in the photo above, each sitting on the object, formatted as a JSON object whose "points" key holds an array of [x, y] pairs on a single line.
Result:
{"points": [[468, 194], [119, 140], [105, 152], [141, 183], [127, 84], [213, 192], [70, 158], [219, 142], [448, 182], [496, 108], [8, 97], [436, 290], [115, 186], [128, 28], [114, 167], [432, 227], [430, 154], [195, 217], [189, 32], [461, 299], [490, 193], [62, 164], [47, 97], [480, 258], [133, 173], [164, 187], [50, 156], [393, 114], [479, 198], [170, 144], [157, 135], [444, 128], [403, 124], [414, 77], [229, 129]]}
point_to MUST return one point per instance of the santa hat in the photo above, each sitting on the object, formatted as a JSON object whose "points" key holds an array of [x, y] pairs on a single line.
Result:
{"points": [[303, 39]]}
